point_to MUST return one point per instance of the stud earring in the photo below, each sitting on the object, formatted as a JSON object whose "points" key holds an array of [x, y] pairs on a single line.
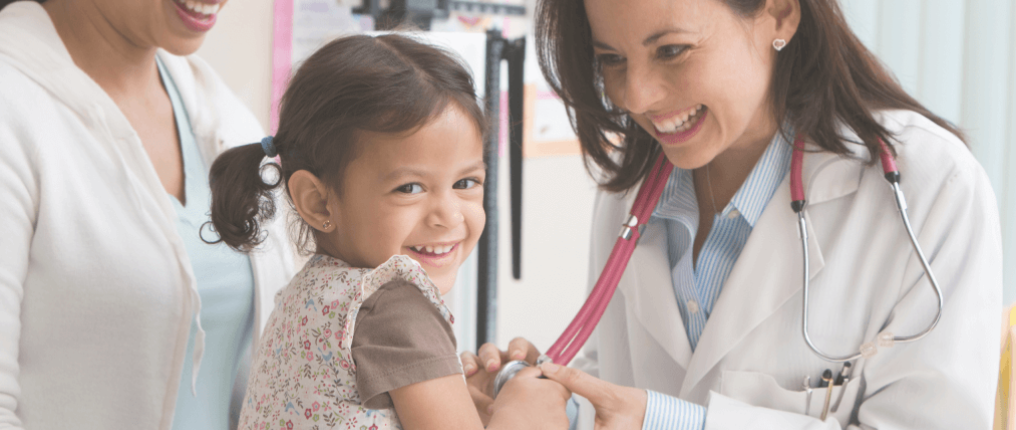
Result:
{"points": [[327, 225], [779, 44]]}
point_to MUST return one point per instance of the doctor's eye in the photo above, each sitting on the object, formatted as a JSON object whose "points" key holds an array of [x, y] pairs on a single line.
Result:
{"points": [[410, 189], [467, 183], [609, 60], [668, 52]]}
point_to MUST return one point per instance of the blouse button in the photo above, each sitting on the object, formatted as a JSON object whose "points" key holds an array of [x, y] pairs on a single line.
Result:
{"points": [[733, 214], [693, 306]]}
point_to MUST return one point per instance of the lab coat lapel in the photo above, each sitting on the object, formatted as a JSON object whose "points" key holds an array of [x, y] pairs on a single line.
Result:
{"points": [[768, 271], [648, 289]]}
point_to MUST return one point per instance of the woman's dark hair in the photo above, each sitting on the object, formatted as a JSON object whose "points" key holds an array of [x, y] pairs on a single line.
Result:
{"points": [[355, 84], [823, 79]]}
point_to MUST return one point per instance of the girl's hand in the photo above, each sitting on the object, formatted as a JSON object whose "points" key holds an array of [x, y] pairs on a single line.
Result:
{"points": [[617, 407], [528, 402], [491, 359], [481, 370]]}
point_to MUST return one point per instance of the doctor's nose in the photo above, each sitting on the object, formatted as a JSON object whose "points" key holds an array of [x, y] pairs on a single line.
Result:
{"points": [[643, 88]]}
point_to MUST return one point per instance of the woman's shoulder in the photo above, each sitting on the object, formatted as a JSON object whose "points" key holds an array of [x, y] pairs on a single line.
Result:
{"points": [[930, 155], [216, 106]]}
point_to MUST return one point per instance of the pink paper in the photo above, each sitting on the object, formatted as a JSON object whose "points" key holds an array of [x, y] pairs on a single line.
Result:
{"points": [[282, 54]]}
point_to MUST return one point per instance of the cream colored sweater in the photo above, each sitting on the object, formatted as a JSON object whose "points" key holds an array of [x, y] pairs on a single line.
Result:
{"points": [[96, 291]]}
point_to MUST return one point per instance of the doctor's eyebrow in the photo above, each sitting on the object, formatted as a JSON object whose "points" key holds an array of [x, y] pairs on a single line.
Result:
{"points": [[648, 41]]}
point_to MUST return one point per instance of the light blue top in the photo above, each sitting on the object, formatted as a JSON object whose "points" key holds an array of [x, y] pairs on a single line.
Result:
{"points": [[697, 284], [225, 283]]}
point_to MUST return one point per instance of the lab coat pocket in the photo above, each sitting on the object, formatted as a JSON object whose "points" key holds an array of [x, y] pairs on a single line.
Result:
{"points": [[760, 389]]}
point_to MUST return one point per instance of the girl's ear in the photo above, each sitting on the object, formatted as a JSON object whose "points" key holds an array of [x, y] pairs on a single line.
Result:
{"points": [[310, 196]]}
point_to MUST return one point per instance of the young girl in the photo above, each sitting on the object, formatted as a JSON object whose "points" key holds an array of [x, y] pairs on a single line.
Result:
{"points": [[380, 149]]}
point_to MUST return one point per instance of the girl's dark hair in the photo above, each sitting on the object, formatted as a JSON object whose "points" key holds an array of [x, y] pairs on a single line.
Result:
{"points": [[824, 77], [355, 84]]}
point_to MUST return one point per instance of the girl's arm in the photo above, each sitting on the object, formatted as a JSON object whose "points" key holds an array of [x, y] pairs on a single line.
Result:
{"points": [[526, 402]]}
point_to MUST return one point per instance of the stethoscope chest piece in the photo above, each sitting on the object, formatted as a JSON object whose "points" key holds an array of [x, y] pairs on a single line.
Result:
{"points": [[507, 373]]}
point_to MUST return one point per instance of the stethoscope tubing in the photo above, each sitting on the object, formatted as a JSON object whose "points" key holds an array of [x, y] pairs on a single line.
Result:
{"points": [[571, 341], [582, 326], [798, 204]]}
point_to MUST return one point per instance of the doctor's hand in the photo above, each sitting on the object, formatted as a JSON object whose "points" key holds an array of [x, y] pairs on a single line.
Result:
{"points": [[616, 407], [528, 402]]}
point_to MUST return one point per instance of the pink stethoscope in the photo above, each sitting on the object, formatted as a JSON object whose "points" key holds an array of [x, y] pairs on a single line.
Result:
{"points": [[568, 345]]}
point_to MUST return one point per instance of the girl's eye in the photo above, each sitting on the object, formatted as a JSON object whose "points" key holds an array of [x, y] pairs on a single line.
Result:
{"points": [[410, 189], [609, 60], [464, 184], [670, 51]]}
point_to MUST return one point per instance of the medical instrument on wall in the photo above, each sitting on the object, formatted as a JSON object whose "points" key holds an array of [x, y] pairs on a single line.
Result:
{"points": [[512, 52], [827, 380], [568, 345], [806, 385], [798, 203]]}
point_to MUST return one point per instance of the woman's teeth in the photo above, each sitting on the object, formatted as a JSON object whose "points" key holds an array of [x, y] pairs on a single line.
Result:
{"points": [[437, 250], [199, 7], [678, 123]]}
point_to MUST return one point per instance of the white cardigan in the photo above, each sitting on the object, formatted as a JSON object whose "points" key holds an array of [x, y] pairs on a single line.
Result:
{"points": [[96, 290]]}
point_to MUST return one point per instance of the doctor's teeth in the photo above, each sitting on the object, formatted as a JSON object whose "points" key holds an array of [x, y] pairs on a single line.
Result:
{"points": [[200, 7]]}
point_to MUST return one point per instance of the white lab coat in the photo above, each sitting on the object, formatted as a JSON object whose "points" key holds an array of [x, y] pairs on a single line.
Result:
{"points": [[751, 360]]}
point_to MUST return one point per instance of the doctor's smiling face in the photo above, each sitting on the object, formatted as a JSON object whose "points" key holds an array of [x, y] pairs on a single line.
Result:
{"points": [[694, 74]]}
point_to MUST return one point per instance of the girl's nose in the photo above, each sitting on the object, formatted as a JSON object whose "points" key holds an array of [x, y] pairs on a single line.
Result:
{"points": [[446, 213], [643, 88]]}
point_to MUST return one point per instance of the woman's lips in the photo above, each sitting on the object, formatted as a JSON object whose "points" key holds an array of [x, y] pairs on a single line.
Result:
{"points": [[683, 136], [197, 21]]}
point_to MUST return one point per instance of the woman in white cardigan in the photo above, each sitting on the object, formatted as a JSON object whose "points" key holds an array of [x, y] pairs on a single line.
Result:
{"points": [[106, 132]]}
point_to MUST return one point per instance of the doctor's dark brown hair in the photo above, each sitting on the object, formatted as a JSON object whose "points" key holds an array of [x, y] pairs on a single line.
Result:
{"points": [[384, 84], [824, 77]]}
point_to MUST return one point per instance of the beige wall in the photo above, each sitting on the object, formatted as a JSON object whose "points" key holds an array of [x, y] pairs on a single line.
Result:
{"points": [[558, 194], [240, 49]]}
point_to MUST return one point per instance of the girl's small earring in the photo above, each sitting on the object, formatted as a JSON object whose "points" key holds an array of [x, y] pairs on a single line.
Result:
{"points": [[779, 44], [327, 225]]}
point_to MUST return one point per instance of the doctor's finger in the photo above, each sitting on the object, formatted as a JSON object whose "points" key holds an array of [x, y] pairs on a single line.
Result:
{"points": [[491, 358], [521, 349]]}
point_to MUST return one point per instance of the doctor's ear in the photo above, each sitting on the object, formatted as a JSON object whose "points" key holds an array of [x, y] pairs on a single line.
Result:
{"points": [[312, 200], [787, 16]]}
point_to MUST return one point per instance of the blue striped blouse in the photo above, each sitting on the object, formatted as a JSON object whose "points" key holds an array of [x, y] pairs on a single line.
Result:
{"points": [[697, 284]]}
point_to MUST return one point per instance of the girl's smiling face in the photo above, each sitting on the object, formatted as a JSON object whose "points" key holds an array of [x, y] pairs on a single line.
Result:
{"points": [[418, 194], [692, 73]]}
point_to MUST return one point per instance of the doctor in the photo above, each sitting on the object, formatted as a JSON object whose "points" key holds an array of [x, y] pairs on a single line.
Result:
{"points": [[705, 330]]}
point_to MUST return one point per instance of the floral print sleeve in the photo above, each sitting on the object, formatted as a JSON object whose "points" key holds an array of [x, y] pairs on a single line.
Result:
{"points": [[303, 375]]}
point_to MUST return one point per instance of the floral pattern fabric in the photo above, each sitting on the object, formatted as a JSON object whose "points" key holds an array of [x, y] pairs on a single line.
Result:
{"points": [[303, 375]]}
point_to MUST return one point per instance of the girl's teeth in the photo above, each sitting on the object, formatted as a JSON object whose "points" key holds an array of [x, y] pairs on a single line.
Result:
{"points": [[437, 250]]}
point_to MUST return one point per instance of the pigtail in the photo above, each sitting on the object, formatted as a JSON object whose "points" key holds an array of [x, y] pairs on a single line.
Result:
{"points": [[242, 198]]}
